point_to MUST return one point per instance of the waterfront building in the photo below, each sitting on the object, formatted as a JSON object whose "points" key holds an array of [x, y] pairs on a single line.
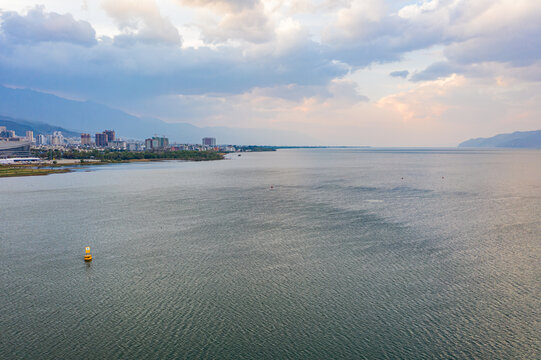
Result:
{"points": [[110, 135], [86, 139], [101, 140], [14, 148], [209, 141]]}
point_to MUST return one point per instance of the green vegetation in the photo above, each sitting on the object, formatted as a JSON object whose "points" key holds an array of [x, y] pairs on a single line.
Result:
{"points": [[102, 157], [22, 170], [119, 156], [256, 148]]}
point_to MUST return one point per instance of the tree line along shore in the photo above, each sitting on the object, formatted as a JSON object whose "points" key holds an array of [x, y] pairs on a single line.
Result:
{"points": [[116, 156], [52, 160]]}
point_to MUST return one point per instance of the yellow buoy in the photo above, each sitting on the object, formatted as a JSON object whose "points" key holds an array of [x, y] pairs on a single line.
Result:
{"points": [[88, 255]]}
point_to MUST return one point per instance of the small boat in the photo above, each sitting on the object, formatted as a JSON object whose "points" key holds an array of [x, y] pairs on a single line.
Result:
{"points": [[88, 255], [239, 154]]}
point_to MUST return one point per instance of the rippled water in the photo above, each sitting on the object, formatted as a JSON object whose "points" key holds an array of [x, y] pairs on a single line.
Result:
{"points": [[399, 254]]}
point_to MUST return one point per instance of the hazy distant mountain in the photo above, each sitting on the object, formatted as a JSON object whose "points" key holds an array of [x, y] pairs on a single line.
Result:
{"points": [[86, 116], [22, 126], [518, 139]]}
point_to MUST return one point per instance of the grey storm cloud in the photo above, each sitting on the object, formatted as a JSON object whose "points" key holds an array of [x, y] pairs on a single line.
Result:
{"points": [[40, 26], [401, 73], [437, 70], [384, 40], [451, 24], [102, 72], [521, 48], [515, 48]]}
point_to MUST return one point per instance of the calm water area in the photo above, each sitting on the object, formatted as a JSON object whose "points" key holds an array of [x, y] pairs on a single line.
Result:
{"points": [[353, 254]]}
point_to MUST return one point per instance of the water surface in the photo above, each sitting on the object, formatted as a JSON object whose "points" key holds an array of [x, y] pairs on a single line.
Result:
{"points": [[380, 253]]}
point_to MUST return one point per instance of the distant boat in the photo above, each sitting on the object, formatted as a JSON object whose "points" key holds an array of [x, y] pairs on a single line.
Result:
{"points": [[239, 154]]}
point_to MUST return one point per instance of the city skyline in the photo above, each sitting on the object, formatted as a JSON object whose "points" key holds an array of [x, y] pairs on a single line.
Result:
{"points": [[378, 73], [105, 140]]}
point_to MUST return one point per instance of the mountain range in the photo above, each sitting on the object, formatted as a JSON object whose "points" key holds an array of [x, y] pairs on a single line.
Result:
{"points": [[24, 109], [90, 117], [22, 126], [518, 139]]}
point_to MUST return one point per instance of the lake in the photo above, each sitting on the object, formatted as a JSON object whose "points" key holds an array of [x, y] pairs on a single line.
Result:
{"points": [[352, 254]]}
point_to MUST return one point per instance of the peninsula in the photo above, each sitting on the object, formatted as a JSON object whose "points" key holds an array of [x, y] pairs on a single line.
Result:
{"points": [[517, 140]]}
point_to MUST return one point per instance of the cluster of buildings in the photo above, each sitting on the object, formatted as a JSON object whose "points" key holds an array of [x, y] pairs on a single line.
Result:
{"points": [[13, 145], [54, 139], [9, 135], [104, 139], [108, 139]]}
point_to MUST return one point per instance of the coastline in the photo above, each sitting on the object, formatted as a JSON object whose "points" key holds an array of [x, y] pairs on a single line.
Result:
{"points": [[67, 165], [28, 170]]}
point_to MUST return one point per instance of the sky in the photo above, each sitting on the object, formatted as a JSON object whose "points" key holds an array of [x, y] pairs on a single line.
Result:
{"points": [[342, 72]]}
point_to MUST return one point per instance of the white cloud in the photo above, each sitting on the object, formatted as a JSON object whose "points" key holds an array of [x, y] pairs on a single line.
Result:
{"points": [[141, 21], [39, 26], [221, 5], [358, 21], [249, 24]]}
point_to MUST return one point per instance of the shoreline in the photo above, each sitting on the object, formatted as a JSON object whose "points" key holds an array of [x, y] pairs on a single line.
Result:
{"points": [[67, 165]]}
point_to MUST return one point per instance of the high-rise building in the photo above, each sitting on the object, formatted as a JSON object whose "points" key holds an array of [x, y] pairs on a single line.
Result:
{"points": [[162, 142], [86, 139], [156, 143], [41, 140], [101, 140], [209, 141], [148, 144], [30, 136], [56, 138], [110, 135]]}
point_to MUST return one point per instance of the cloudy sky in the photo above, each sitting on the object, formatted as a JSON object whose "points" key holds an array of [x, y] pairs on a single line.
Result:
{"points": [[352, 72]]}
